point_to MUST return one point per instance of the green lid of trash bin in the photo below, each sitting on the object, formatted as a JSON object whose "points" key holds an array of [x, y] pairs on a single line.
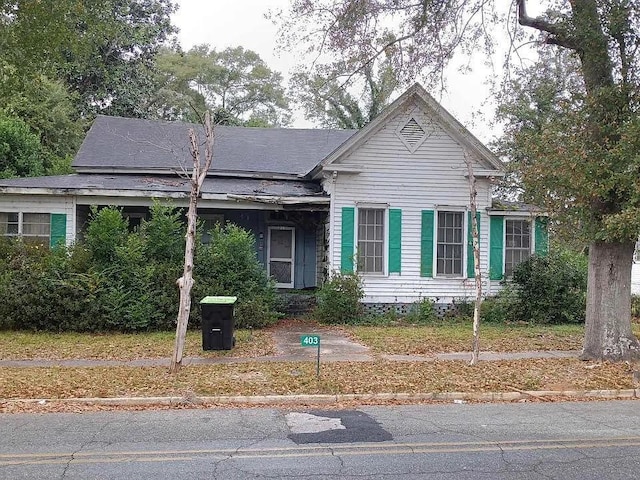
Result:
{"points": [[219, 300]]}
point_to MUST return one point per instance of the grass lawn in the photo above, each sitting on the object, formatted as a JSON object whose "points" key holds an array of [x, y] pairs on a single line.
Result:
{"points": [[118, 346], [456, 336], [272, 378]]}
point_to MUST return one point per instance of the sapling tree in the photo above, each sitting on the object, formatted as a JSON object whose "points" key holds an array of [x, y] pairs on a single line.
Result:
{"points": [[185, 283]]}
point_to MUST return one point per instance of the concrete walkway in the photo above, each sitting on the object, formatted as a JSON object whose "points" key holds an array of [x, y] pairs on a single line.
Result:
{"points": [[334, 347]]}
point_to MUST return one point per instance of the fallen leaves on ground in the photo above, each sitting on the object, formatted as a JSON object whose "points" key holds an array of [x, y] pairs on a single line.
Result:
{"points": [[284, 378], [457, 337], [119, 346]]}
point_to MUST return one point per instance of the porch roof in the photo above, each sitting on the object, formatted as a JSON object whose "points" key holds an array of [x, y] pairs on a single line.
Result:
{"points": [[162, 186]]}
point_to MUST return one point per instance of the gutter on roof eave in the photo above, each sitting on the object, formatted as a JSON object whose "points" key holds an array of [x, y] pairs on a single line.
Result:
{"points": [[280, 200], [486, 173], [517, 212], [90, 192]]}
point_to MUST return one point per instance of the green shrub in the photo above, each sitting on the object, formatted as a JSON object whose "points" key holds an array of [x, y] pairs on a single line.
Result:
{"points": [[499, 308], [338, 300], [41, 291], [128, 283], [107, 230], [551, 289], [164, 234], [228, 265], [461, 308], [422, 311]]}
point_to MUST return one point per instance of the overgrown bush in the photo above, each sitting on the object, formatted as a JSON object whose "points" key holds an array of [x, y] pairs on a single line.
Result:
{"points": [[117, 280], [228, 265], [338, 300], [423, 311], [499, 308], [461, 308], [106, 231], [40, 290], [552, 288]]}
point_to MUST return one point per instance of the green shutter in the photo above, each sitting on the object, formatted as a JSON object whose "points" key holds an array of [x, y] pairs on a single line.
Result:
{"points": [[346, 249], [395, 240], [426, 244], [542, 236], [496, 241], [471, 273], [58, 224]]}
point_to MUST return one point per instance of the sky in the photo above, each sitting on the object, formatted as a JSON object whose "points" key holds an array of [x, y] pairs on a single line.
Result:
{"points": [[229, 23]]}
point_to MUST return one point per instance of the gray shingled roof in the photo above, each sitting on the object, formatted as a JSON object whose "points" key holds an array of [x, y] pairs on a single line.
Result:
{"points": [[499, 204], [115, 143], [76, 183]]}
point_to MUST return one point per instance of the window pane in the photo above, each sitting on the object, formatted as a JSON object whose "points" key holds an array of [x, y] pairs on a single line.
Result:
{"points": [[281, 271], [450, 244], [36, 224], [8, 223], [517, 244], [281, 245], [370, 240]]}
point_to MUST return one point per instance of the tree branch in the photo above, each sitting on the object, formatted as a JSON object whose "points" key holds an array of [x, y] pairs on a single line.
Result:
{"points": [[557, 34]]}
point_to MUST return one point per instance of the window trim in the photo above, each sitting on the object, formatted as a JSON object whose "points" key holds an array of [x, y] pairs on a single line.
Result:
{"points": [[385, 237], [452, 209]]}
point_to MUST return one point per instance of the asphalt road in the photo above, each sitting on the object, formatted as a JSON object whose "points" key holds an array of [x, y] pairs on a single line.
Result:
{"points": [[591, 440]]}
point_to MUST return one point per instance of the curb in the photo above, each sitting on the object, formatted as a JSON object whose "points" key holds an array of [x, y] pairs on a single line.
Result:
{"points": [[457, 397]]}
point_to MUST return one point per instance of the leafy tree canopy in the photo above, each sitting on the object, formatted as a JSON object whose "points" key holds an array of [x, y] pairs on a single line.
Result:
{"points": [[103, 50], [234, 83], [20, 153], [327, 99]]}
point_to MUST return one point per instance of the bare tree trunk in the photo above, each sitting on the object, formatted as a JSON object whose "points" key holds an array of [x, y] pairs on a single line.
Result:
{"points": [[185, 283], [608, 333], [473, 193]]}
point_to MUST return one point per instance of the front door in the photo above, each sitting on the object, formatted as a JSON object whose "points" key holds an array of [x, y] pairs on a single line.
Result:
{"points": [[281, 255]]}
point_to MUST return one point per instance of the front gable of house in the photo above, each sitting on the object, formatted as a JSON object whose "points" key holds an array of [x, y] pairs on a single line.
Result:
{"points": [[413, 145], [416, 128]]}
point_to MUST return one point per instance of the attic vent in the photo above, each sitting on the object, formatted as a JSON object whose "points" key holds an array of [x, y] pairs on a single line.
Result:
{"points": [[412, 134]]}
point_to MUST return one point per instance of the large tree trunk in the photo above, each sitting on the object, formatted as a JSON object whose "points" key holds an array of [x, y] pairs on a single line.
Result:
{"points": [[608, 333]]}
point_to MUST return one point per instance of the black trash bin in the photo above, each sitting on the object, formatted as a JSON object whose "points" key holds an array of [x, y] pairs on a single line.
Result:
{"points": [[217, 323]]}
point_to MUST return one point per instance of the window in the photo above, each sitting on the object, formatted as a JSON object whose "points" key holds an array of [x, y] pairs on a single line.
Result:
{"points": [[209, 221], [371, 240], [517, 244], [32, 227], [450, 244], [8, 223], [636, 253]]}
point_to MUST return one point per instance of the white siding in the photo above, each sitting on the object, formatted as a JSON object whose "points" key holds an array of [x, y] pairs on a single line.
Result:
{"points": [[43, 204], [635, 278], [431, 178]]}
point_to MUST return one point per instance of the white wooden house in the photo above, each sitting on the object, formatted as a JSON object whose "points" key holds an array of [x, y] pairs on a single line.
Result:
{"points": [[635, 271], [390, 201]]}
